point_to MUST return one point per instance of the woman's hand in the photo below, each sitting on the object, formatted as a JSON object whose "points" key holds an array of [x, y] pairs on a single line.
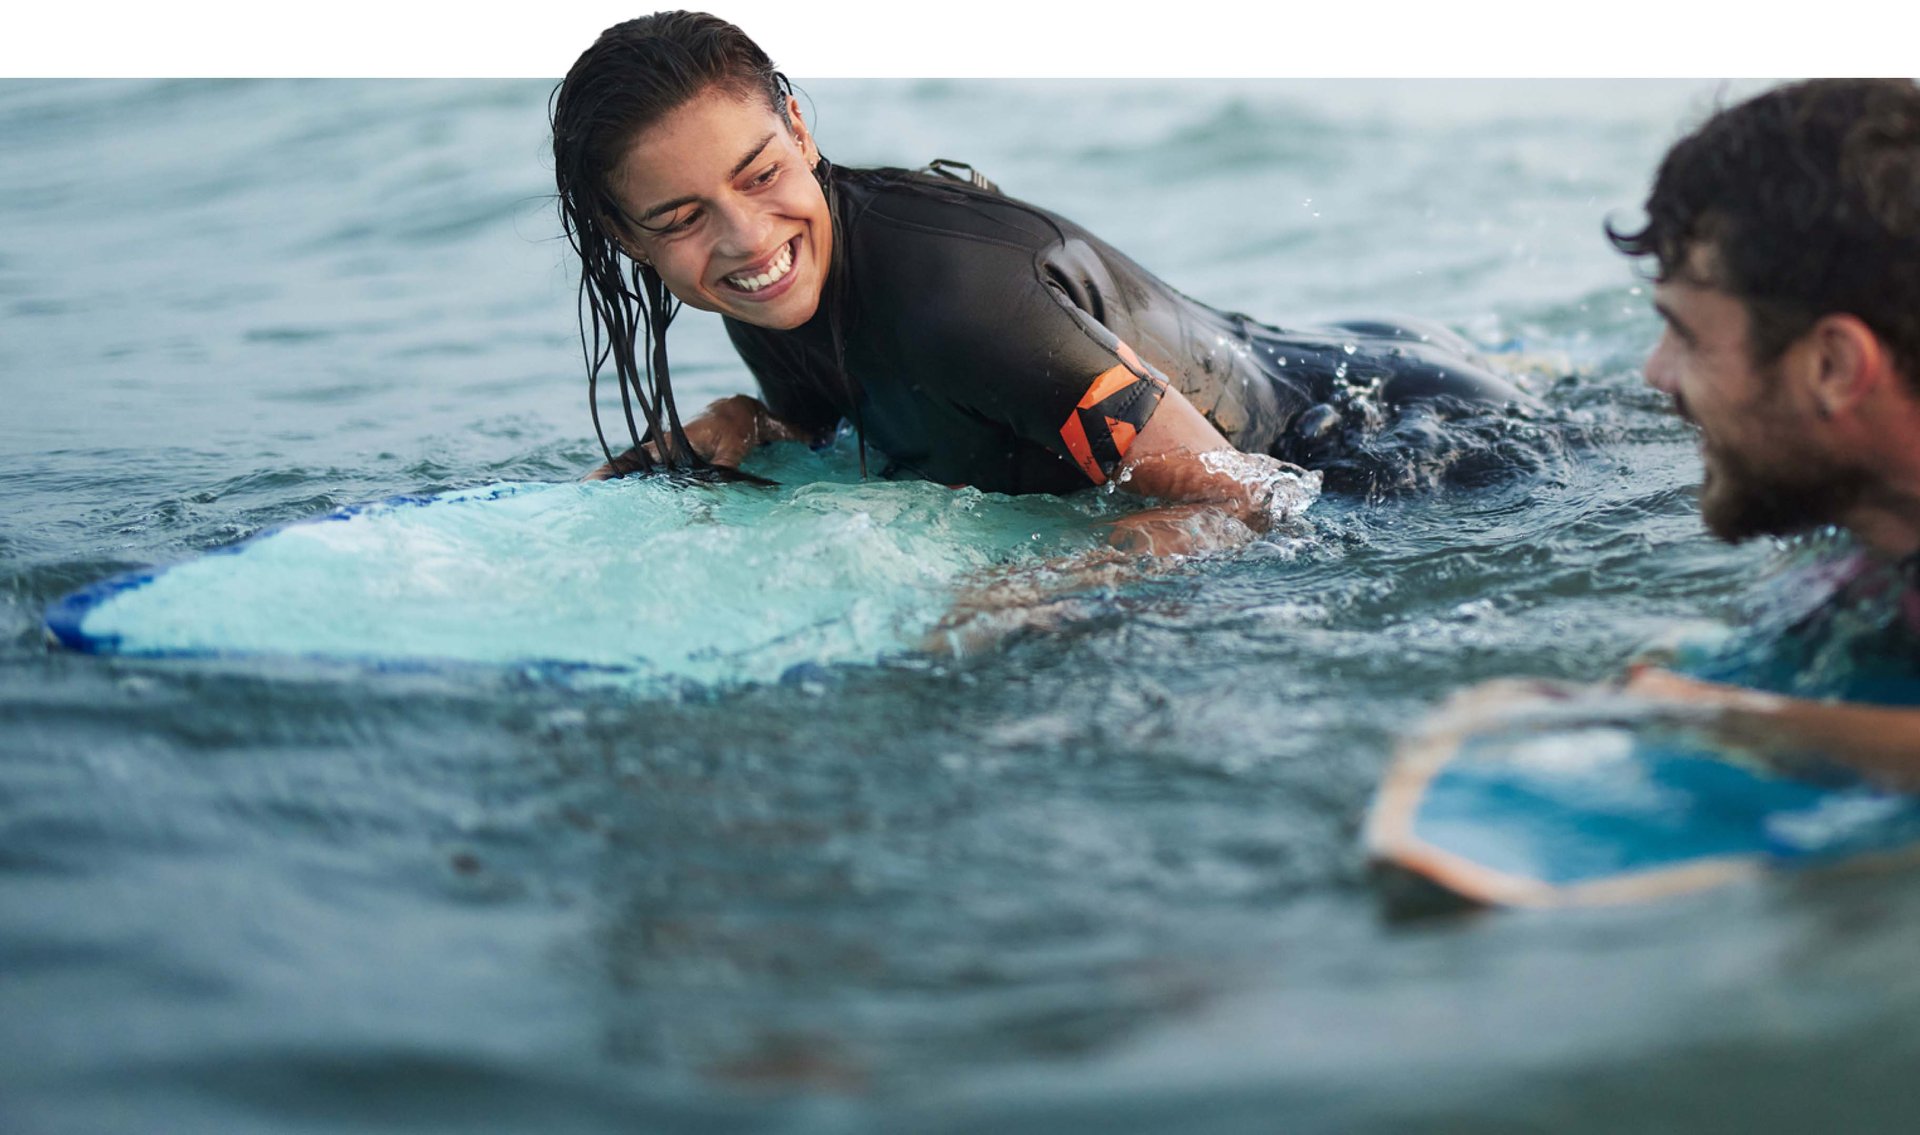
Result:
{"points": [[1219, 497], [1179, 530], [722, 434]]}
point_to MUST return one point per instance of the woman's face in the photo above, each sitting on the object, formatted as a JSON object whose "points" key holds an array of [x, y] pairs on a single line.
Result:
{"points": [[720, 198]]}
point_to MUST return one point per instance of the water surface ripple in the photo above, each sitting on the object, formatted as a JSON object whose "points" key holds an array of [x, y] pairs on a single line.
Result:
{"points": [[1101, 877]]}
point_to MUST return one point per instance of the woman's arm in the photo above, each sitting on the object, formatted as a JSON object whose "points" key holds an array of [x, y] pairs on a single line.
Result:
{"points": [[724, 433], [1218, 497]]}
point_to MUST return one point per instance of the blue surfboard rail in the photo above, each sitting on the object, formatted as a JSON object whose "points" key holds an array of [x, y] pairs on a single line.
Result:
{"points": [[65, 618], [65, 615], [1579, 816]]}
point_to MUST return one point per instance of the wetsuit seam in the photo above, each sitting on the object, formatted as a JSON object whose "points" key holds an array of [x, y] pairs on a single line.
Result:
{"points": [[1061, 297], [933, 230], [879, 194]]}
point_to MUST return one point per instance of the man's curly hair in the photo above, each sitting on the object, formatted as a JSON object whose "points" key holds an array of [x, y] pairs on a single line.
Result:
{"points": [[1807, 200]]}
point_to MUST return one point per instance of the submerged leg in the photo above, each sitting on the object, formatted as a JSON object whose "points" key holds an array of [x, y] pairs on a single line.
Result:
{"points": [[1426, 361], [1401, 404]]}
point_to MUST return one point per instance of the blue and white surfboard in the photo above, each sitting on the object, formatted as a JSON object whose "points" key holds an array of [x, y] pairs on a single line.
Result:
{"points": [[1606, 803], [636, 578], [1569, 815]]}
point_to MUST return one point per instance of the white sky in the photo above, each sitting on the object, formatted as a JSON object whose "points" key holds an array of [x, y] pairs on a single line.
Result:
{"points": [[966, 38]]}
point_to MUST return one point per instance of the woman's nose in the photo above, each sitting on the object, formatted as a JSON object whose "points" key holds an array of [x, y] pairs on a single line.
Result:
{"points": [[745, 228]]}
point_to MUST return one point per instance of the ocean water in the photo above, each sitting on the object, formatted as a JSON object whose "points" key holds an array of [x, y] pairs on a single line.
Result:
{"points": [[1096, 873]]}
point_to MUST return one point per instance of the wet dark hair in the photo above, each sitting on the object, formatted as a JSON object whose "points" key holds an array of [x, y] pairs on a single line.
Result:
{"points": [[635, 74], [1808, 199]]}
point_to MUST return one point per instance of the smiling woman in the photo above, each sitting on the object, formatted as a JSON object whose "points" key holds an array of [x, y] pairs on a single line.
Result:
{"points": [[969, 337]]}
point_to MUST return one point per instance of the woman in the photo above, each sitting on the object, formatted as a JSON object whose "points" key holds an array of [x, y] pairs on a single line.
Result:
{"points": [[969, 337]]}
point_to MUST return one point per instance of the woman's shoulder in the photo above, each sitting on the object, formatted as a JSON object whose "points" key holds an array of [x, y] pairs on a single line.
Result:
{"points": [[935, 214]]}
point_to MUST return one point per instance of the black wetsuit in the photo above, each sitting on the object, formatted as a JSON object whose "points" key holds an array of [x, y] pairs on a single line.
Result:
{"points": [[998, 345]]}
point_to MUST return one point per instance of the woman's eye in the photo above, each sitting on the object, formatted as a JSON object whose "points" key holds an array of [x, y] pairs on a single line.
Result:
{"points": [[681, 223], [766, 176]]}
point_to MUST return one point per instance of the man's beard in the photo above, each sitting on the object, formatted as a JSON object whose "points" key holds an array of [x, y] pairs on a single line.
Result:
{"points": [[1741, 500]]}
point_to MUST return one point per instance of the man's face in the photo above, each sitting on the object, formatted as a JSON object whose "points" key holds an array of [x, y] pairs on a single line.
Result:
{"points": [[1766, 471]]}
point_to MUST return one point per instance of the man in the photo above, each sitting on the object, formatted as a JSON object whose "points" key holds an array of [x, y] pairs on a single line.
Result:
{"points": [[1786, 234]]}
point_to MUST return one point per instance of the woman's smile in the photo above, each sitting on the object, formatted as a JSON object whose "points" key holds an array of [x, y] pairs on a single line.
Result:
{"points": [[768, 279]]}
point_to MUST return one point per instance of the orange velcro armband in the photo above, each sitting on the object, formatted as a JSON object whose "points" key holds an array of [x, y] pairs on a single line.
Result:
{"points": [[1111, 413]]}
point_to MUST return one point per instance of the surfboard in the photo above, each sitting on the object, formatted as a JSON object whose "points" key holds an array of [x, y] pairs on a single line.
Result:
{"points": [[1575, 814], [635, 579]]}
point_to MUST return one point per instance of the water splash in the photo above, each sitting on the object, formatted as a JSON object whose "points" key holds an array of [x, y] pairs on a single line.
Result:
{"points": [[1288, 490]]}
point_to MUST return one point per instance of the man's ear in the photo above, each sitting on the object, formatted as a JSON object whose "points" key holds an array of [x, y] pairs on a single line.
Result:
{"points": [[1851, 364]]}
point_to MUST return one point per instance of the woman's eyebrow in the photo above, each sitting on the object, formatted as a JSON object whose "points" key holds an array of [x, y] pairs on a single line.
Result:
{"points": [[743, 163]]}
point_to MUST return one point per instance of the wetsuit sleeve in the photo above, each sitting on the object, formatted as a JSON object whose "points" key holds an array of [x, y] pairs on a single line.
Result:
{"points": [[1113, 408], [1002, 336], [790, 384]]}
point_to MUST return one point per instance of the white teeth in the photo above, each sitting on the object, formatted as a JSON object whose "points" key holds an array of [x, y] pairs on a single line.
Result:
{"points": [[782, 264]]}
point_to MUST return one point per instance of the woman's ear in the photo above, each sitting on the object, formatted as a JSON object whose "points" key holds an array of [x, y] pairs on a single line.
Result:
{"points": [[634, 253], [622, 236], [801, 134]]}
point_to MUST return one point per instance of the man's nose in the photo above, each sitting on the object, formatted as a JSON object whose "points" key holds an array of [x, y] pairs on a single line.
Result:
{"points": [[1659, 368]]}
